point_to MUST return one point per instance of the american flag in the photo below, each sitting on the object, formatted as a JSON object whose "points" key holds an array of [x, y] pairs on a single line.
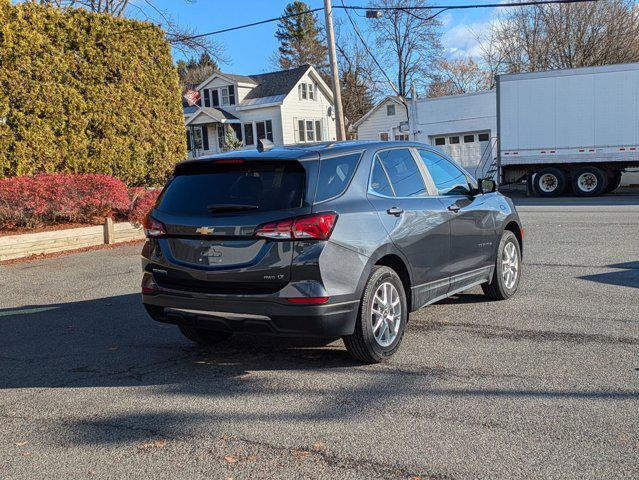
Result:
{"points": [[192, 97]]}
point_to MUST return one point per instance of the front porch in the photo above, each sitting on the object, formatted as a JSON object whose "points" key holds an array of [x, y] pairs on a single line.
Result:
{"points": [[209, 130]]}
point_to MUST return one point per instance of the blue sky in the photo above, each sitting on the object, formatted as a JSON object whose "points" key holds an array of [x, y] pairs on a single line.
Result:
{"points": [[250, 50]]}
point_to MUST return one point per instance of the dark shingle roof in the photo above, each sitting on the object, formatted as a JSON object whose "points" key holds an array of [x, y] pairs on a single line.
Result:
{"points": [[272, 83]]}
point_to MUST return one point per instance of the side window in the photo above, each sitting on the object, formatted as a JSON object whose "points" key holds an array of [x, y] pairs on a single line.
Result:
{"points": [[448, 179], [402, 172], [379, 180], [335, 174]]}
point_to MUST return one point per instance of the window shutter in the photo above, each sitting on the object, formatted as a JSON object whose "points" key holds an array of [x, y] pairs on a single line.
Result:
{"points": [[232, 95], [188, 140], [299, 91], [302, 130], [296, 130], [205, 137], [207, 97], [216, 98], [269, 130], [318, 131]]}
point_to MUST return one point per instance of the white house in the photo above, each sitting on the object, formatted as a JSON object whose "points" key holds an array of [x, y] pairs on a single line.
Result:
{"points": [[464, 126], [383, 121], [285, 107]]}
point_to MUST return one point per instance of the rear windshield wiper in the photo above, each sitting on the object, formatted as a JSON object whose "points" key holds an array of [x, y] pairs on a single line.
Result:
{"points": [[230, 207]]}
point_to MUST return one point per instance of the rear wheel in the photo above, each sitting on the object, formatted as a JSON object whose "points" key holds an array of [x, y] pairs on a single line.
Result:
{"points": [[202, 336], [589, 182], [613, 183], [507, 269], [382, 317], [550, 182]]}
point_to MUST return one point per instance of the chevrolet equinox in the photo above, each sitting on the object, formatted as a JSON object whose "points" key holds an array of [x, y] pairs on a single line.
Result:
{"points": [[327, 240]]}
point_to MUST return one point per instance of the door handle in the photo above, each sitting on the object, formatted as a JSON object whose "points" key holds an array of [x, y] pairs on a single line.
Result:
{"points": [[395, 211], [454, 208]]}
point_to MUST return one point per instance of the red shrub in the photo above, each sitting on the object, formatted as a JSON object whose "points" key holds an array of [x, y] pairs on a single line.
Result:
{"points": [[142, 202], [54, 198]]}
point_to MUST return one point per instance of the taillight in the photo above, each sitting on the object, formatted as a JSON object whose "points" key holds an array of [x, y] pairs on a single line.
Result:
{"points": [[149, 287], [153, 228], [316, 227]]}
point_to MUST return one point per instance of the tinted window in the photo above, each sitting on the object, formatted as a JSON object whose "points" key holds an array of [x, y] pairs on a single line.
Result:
{"points": [[379, 180], [268, 186], [335, 174], [448, 179], [403, 173]]}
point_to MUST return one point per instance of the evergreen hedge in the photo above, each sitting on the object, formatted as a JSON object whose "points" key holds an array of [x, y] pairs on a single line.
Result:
{"points": [[86, 93]]}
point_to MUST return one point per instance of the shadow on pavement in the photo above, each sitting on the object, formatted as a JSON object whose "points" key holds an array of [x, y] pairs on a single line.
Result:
{"points": [[627, 275]]}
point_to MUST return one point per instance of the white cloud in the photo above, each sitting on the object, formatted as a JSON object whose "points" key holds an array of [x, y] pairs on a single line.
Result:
{"points": [[461, 39]]}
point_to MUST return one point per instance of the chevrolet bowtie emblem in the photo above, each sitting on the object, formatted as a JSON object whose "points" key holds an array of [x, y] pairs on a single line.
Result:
{"points": [[204, 230]]}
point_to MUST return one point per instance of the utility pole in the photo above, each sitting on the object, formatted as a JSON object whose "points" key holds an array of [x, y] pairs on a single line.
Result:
{"points": [[337, 94]]}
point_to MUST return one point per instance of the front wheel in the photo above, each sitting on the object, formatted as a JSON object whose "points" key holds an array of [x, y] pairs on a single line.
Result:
{"points": [[382, 317], [507, 272]]}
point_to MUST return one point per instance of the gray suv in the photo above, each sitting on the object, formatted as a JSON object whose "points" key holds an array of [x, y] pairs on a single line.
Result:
{"points": [[326, 240]]}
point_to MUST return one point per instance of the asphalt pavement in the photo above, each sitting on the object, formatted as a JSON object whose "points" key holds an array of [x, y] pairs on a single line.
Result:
{"points": [[545, 385]]}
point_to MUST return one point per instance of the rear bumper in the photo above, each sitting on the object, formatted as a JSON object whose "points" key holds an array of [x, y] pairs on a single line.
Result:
{"points": [[244, 314]]}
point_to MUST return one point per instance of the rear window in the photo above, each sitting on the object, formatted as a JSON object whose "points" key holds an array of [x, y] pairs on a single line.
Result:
{"points": [[335, 175], [260, 186]]}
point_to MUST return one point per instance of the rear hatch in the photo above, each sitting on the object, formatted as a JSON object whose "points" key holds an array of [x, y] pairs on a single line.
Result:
{"points": [[211, 210]]}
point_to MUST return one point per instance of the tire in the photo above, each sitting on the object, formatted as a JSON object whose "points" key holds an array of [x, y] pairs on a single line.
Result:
{"points": [[498, 288], [550, 182], [613, 183], [155, 312], [202, 336], [374, 345], [589, 181]]}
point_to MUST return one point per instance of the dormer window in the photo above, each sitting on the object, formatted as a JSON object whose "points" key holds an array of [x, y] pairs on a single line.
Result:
{"points": [[219, 96]]}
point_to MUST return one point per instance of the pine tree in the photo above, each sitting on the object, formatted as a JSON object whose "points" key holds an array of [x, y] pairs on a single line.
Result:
{"points": [[300, 38]]}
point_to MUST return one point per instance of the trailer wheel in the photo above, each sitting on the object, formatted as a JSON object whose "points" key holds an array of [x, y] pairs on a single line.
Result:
{"points": [[613, 183], [550, 182], [589, 181]]}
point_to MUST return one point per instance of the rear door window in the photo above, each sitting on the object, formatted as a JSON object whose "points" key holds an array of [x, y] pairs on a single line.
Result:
{"points": [[335, 174], [242, 186], [401, 171]]}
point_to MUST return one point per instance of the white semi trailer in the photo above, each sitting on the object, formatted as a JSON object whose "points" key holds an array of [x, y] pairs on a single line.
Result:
{"points": [[568, 130]]}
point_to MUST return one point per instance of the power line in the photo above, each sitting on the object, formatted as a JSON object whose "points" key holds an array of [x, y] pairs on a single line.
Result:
{"points": [[405, 9]]}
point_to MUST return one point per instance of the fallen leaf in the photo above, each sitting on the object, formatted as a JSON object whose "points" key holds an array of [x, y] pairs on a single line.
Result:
{"points": [[415, 478], [20, 444], [26, 454], [91, 472], [152, 445], [230, 459], [318, 446], [301, 453]]}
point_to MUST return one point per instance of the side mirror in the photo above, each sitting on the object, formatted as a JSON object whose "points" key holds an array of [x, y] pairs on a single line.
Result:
{"points": [[486, 185]]}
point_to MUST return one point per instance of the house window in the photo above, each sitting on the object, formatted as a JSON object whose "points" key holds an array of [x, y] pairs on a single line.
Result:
{"points": [[308, 130], [207, 97], [221, 135], [383, 136], [311, 91], [469, 138], [401, 137], [248, 134], [225, 95], [264, 130], [197, 138], [390, 110], [440, 141], [483, 137], [453, 140], [302, 91]]}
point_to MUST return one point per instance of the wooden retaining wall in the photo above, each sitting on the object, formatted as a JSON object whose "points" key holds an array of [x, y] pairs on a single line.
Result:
{"points": [[27, 244]]}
